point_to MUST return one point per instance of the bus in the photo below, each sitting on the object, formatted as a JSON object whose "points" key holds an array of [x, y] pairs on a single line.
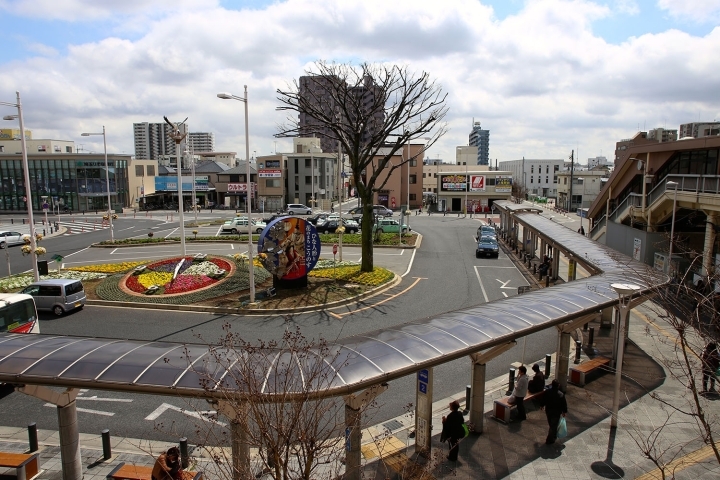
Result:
{"points": [[18, 314]]}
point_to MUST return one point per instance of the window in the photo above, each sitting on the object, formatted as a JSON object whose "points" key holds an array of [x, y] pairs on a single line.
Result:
{"points": [[412, 196], [547, 179], [547, 168], [413, 162], [139, 171], [68, 149], [307, 163], [554, 179], [531, 179], [564, 180], [308, 181], [272, 182], [423, 173], [151, 170], [2, 148], [532, 168], [234, 178], [413, 179]]}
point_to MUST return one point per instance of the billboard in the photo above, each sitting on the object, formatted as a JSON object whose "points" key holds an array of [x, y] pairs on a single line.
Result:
{"points": [[270, 173], [477, 183], [169, 184], [289, 247], [503, 184], [240, 187], [453, 183]]}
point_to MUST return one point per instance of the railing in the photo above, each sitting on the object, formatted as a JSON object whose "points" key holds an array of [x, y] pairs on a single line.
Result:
{"points": [[707, 184], [632, 200], [598, 225]]}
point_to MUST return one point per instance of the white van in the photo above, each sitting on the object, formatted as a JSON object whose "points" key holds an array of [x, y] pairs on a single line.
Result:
{"points": [[298, 209], [58, 295]]}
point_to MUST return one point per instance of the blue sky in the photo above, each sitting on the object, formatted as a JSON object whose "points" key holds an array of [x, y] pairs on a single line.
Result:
{"points": [[544, 76]]}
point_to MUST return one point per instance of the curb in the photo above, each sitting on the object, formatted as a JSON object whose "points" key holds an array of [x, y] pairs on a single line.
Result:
{"points": [[177, 242], [205, 309]]}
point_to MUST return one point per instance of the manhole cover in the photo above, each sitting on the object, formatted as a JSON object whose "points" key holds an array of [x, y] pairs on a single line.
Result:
{"points": [[392, 425]]}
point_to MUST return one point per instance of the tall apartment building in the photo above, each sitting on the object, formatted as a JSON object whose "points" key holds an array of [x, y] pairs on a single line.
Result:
{"points": [[153, 140], [481, 139], [318, 91], [201, 142], [699, 129]]}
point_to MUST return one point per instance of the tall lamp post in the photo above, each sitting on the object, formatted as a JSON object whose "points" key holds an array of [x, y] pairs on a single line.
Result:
{"points": [[625, 292], [673, 185], [582, 202], [107, 180], [26, 173], [251, 273]]}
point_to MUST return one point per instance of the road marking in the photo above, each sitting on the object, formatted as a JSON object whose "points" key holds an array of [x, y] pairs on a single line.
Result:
{"points": [[102, 399], [340, 315], [505, 294], [200, 415], [505, 283], [482, 287], [86, 410], [412, 259]]}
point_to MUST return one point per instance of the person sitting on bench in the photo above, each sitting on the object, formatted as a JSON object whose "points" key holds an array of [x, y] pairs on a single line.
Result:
{"points": [[537, 384]]}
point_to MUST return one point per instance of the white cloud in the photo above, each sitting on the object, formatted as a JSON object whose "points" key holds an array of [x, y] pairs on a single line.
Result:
{"points": [[700, 11], [83, 10], [540, 80]]}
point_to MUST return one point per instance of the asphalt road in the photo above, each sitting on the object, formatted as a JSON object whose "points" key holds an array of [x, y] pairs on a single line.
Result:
{"points": [[443, 275]]}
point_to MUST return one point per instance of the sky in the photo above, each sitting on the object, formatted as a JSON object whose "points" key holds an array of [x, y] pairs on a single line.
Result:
{"points": [[544, 76]]}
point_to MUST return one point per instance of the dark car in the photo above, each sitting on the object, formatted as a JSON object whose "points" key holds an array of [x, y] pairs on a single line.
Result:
{"points": [[486, 230], [487, 245], [329, 226]]}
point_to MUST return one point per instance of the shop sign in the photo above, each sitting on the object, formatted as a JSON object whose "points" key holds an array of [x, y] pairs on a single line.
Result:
{"points": [[95, 164], [272, 163], [270, 173], [503, 184], [453, 183], [240, 187], [169, 184], [477, 183]]}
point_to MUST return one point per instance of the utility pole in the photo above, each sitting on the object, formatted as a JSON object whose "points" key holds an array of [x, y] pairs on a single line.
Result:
{"points": [[572, 171]]}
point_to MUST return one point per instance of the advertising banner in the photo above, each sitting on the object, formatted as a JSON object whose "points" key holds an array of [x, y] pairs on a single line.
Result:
{"points": [[169, 184], [239, 187], [453, 183], [270, 173], [289, 247], [477, 183], [503, 184]]}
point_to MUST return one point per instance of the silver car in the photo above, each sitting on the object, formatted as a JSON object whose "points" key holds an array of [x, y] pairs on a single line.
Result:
{"points": [[8, 238], [58, 295]]}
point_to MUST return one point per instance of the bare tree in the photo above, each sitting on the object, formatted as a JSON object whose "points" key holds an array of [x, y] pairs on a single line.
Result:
{"points": [[373, 111]]}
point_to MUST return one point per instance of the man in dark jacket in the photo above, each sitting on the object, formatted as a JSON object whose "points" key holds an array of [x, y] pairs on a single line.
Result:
{"points": [[710, 362], [453, 430], [537, 384], [555, 405]]}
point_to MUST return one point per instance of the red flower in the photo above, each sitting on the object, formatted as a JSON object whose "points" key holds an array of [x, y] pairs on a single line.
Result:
{"points": [[133, 284]]}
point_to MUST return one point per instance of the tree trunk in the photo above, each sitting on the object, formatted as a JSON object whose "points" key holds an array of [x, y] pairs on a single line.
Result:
{"points": [[368, 219]]}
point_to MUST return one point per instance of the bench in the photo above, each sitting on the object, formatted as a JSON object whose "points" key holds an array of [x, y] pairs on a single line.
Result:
{"points": [[140, 472], [502, 409], [25, 464], [577, 373]]}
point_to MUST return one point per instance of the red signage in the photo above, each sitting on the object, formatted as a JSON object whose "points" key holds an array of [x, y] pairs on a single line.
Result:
{"points": [[239, 187], [335, 249], [393, 202], [477, 183]]}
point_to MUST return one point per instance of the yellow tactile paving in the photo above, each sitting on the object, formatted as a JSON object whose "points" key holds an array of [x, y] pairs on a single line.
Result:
{"points": [[382, 447], [681, 463]]}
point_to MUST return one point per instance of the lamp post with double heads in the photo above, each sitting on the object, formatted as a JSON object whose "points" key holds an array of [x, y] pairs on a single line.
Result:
{"points": [[625, 292], [107, 180], [26, 173], [251, 273], [672, 225]]}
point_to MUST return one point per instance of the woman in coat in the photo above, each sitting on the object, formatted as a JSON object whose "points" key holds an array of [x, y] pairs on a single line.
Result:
{"points": [[167, 466], [453, 429], [555, 405]]}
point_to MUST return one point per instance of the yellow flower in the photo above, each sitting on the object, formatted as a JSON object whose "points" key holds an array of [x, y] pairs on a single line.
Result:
{"points": [[108, 267], [154, 278]]}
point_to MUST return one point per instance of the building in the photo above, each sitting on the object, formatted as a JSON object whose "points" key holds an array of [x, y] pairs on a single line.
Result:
{"points": [[656, 135], [662, 135], [471, 191], [14, 145], [597, 162], [658, 189], [271, 182], [699, 129], [481, 139], [201, 142], [312, 175], [227, 158], [586, 185], [152, 140], [318, 90], [536, 177]]}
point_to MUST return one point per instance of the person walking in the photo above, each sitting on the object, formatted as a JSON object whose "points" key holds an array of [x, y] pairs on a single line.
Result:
{"points": [[537, 384], [555, 406], [453, 430], [518, 395], [710, 362]]}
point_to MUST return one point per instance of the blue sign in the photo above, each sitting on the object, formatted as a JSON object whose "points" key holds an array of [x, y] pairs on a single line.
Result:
{"points": [[423, 375], [422, 387], [289, 247], [347, 439]]}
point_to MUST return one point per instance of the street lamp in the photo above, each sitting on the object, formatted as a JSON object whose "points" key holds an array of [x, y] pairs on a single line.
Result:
{"points": [[582, 202], [625, 292], [251, 273], [107, 180], [26, 172], [674, 185]]}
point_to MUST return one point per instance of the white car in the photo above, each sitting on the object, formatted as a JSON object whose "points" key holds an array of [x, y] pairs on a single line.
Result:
{"points": [[298, 209], [10, 238], [240, 225]]}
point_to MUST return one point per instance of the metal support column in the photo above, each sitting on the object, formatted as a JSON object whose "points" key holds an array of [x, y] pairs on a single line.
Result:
{"points": [[708, 259], [477, 404], [572, 270], [240, 446], [69, 442], [562, 362], [354, 405]]}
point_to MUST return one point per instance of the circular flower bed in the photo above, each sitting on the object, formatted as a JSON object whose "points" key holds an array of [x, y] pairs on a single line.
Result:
{"points": [[177, 275]]}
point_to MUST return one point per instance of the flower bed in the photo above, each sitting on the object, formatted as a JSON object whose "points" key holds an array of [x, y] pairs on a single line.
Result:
{"points": [[352, 273], [108, 267]]}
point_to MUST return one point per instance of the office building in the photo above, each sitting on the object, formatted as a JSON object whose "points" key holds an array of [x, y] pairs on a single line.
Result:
{"points": [[481, 139], [153, 140]]}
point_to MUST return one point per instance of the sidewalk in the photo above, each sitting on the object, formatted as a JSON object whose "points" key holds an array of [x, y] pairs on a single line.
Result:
{"points": [[515, 451]]}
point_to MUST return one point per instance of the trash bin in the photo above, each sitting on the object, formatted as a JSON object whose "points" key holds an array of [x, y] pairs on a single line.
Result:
{"points": [[42, 267]]}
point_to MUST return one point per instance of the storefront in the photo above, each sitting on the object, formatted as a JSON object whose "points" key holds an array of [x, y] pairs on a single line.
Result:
{"points": [[167, 188], [479, 190], [69, 182]]}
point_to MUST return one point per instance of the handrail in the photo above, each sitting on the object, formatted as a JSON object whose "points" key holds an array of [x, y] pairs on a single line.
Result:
{"points": [[632, 200], [598, 225]]}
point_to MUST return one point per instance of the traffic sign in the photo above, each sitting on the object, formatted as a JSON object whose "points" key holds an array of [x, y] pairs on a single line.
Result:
{"points": [[45, 207], [335, 248]]}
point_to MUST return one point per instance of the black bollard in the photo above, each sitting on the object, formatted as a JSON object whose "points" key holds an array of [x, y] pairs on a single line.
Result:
{"points": [[468, 396], [23, 221], [548, 362], [32, 437], [184, 452], [511, 380], [578, 350], [547, 279], [591, 337], [12, 221], [107, 451]]}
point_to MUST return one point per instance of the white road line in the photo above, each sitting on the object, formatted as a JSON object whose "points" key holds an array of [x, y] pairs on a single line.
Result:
{"points": [[482, 287], [101, 399], [86, 410], [412, 259], [201, 415]]}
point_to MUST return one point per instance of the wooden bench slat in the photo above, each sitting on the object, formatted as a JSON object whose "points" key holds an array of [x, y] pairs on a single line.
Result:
{"points": [[25, 464], [503, 409], [141, 472], [578, 372]]}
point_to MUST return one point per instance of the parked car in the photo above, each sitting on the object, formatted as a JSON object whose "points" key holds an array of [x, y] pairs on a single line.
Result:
{"points": [[330, 225], [298, 209], [58, 295], [486, 230], [317, 218], [8, 238], [382, 211], [487, 245], [389, 225], [240, 225]]}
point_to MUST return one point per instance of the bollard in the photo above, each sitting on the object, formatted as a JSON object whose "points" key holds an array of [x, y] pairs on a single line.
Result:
{"points": [[548, 364], [511, 380], [23, 221], [43, 232], [12, 221], [32, 437], [107, 451], [468, 396], [184, 452], [585, 327], [578, 350], [547, 279], [591, 337]]}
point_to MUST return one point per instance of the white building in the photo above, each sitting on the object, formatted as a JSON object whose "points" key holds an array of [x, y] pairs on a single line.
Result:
{"points": [[152, 140], [539, 177], [201, 142]]}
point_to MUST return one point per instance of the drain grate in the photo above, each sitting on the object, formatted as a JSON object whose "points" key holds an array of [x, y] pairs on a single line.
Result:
{"points": [[392, 425]]}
